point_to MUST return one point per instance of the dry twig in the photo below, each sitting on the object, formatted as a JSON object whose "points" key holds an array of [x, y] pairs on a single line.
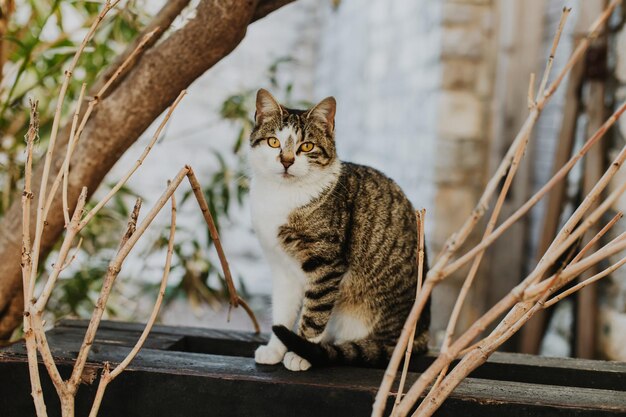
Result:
{"points": [[516, 318], [520, 291], [27, 195], [63, 173], [108, 375], [235, 300], [66, 164], [491, 224], [41, 218], [421, 215], [440, 269]]}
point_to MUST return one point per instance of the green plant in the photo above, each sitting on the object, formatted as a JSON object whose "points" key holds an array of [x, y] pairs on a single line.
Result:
{"points": [[40, 40]]}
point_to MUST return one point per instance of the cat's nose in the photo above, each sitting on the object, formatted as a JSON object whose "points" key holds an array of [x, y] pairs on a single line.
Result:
{"points": [[287, 163]]}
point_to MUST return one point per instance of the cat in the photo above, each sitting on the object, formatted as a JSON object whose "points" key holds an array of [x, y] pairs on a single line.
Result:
{"points": [[340, 239]]}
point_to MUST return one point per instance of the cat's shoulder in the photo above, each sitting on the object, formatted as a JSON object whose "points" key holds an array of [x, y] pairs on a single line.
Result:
{"points": [[359, 172]]}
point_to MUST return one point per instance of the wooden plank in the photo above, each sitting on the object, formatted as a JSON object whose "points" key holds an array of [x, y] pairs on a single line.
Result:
{"points": [[168, 330], [185, 339], [501, 366], [104, 336], [165, 383]]}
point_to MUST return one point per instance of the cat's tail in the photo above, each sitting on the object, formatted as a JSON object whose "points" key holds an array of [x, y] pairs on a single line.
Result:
{"points": [[367, 352]]}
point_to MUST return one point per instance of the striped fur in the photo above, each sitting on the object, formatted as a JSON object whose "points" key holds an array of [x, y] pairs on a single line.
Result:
{"points": [[341, 240]]}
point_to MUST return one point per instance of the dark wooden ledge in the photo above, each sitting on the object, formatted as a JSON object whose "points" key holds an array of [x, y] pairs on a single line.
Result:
{"points": [[205, 372]]}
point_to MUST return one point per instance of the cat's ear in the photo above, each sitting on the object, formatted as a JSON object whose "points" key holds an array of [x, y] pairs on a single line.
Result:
{"points": [[266, 106], [324, 111]]}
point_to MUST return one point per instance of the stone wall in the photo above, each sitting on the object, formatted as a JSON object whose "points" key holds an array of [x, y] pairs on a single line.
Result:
{"points": [[463, 135]]}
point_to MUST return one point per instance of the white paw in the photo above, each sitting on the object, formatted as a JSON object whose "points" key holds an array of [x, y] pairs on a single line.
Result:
{"points": [[269, 355], [294, 362]]}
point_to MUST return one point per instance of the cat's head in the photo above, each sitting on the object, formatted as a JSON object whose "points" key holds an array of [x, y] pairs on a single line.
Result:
{"points": [[292, 145]]}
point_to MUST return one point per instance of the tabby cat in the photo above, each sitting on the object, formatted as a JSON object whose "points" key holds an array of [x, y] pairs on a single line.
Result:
{"points": [[340, 239]]}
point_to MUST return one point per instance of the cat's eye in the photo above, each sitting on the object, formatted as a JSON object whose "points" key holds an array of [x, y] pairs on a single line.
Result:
{"points": [[273, 142], [306, 147]]}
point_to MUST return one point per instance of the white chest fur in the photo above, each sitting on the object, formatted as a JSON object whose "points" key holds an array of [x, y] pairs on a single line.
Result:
{"points": [[270, 204], [273, 200]]}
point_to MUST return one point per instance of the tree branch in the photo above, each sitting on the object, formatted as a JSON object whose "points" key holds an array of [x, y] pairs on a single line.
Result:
{"points": [[265, 7], [108, 375]]}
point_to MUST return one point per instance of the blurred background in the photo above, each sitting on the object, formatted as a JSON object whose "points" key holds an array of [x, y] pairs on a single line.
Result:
{"points": [[430, 92]]}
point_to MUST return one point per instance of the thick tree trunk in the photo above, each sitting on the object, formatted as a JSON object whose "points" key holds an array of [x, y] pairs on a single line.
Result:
{"points": [[154, 82]]}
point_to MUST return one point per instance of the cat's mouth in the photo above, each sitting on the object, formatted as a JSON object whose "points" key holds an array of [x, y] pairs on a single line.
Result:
{"points": [[287, 175]]}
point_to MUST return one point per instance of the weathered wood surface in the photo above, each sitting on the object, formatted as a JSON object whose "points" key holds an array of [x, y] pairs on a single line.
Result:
{"points": [[204, 372], [501, 366]]}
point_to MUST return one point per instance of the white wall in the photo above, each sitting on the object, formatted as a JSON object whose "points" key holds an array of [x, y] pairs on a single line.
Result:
{"points": [[380, 59]]}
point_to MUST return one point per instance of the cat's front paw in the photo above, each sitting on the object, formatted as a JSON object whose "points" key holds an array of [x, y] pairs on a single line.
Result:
{"points": [[268, 354], [294, 362]]}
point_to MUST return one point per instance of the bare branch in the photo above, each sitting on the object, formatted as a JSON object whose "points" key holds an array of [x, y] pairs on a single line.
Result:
{"points": [[555, 43], [41, 215], [421, 215], [27, 195], [208, 217], [107, 375], [137, 164], [235, 299], [66, 165], [72, 231], [439, 271], [62, 174], [26, 264], [112, 273]]}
